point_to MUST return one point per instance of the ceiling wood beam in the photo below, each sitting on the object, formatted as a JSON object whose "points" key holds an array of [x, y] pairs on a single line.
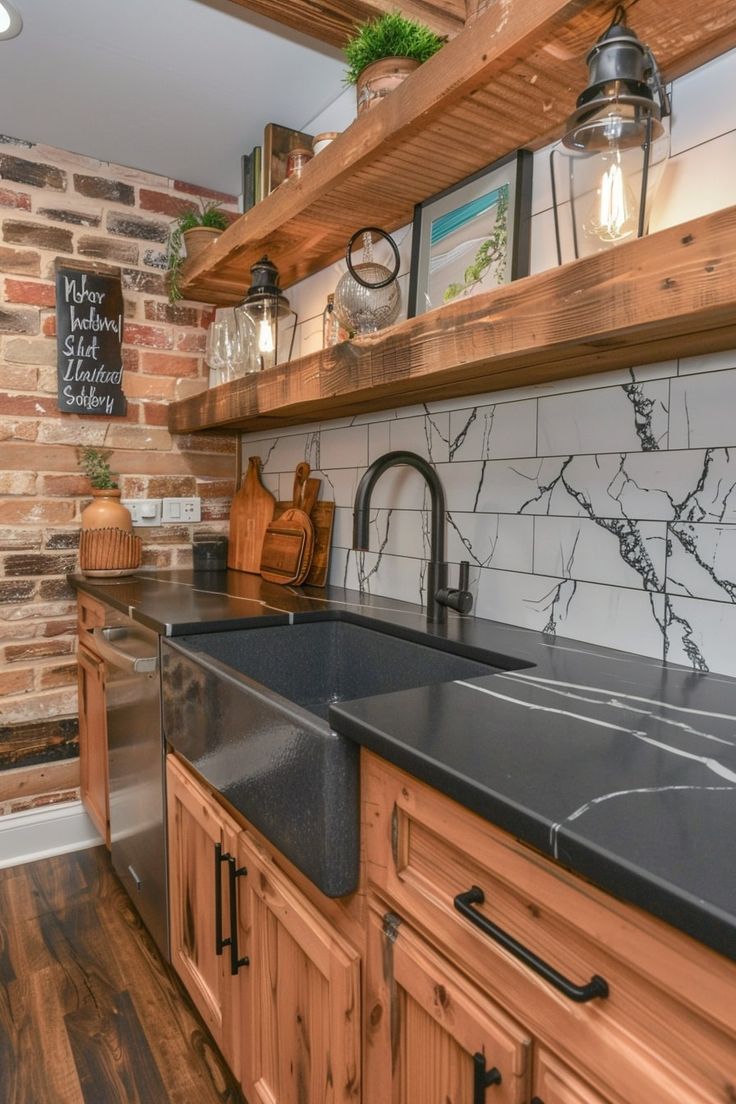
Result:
{"points": [[333, 21]]}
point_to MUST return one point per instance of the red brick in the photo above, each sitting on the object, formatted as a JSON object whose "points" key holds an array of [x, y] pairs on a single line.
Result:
{"points": [[150, 283], [163, 203], [131, 360], [133, 226], [16, 682], [99, 187], [56, 590], [155, 413], [36, 511], [171, 312], [19, 200], [60, 628], [21, 262], [214, 488], [161, 364], [29, 405], [191, 342], [38, 563], [207, 317], [64, 486], [63, 675], [35, 295], [37, 649], [207, 193], [32, 172], [38, 234], [216, 509], [18, 322], [75, 218], [19, 590], [172, 486], [48, 327], [103, 248], [152, 337]]}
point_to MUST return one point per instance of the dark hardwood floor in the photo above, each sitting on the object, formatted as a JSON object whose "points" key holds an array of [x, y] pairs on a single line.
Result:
{"points": [[89, 1012]]}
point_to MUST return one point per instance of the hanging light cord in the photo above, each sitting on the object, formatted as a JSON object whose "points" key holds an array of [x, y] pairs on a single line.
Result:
{"points": [[619, 16]]}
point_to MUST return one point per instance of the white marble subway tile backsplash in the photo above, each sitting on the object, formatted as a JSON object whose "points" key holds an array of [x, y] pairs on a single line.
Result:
{"points": [[575, 515]]}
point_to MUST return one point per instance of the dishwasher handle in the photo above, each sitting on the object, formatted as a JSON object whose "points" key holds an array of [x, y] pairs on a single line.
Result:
{"points": [[117, 657]]}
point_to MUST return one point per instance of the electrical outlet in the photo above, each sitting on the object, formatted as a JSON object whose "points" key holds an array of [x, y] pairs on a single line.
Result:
{"points": [[181, 510], [144, 511]]}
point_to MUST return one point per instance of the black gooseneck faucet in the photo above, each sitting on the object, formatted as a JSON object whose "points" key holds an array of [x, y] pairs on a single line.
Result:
{"points": [[439, 597]]}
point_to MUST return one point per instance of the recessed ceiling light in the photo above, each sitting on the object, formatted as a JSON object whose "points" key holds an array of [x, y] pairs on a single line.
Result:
{"points": [[11, 23]]}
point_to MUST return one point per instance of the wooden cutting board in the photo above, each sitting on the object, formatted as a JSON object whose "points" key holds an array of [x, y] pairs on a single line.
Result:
{"points": [[323, 516], [250, 515], [289, 542]]}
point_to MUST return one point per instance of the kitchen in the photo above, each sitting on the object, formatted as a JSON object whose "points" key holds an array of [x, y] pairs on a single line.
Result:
{"points": [[577, 424]]}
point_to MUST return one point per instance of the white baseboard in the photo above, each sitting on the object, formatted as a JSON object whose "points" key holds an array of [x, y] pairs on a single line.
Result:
{"points": [[40, 833]]}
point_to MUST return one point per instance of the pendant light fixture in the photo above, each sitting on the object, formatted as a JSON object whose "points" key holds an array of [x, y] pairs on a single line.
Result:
{"points": [[266, 321], [11, 23], [607, 167]]}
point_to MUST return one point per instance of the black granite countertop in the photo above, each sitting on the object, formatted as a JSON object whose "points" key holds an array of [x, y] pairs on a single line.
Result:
{"points": [[621, 768]]}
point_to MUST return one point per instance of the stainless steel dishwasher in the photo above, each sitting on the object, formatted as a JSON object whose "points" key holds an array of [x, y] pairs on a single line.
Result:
{"points": [[137, 767]]}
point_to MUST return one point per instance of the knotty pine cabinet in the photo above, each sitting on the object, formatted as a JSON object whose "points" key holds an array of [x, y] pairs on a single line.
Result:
{"points": [[93, 767], [277, 983], [446, 1005], [201, 839]]}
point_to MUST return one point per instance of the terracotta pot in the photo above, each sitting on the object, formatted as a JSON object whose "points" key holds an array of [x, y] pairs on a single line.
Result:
{"points": [[106, 512], [198, 238], [380, 78]]}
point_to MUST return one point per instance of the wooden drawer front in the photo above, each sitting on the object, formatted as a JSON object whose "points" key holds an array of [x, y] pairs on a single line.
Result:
{"points": [[554, 1083], [90, 615], [429, 1027], [646, 1041]]}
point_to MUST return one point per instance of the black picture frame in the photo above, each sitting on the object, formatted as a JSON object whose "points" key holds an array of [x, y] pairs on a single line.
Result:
{"points": [[512, 173]]}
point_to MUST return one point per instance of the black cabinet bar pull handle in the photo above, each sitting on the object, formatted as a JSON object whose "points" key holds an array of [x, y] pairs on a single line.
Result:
{"points": [[235, 873], [483, 1078], [220, 857], [596, 987]]}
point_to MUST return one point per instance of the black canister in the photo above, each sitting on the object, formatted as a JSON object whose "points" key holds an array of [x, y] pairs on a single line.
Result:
{"points": [[209, 552]]}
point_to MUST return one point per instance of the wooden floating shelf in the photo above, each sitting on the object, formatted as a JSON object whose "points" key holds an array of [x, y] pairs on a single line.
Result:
{"points": [[507, 80], [670, 294]]}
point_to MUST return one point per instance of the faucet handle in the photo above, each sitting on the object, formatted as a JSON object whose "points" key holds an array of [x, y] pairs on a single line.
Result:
{"points": [[459, 599]]}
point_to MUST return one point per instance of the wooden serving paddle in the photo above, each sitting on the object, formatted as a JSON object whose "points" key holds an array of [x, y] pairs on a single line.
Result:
{"points": [[289, 542], [250, 515]]}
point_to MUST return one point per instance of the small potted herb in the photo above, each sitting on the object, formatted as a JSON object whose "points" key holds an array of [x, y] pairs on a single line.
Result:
{"points": [[107, 544], [383, 52], [192, 232]]}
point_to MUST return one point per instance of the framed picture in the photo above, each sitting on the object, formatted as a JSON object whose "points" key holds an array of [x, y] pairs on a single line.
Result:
{"points": [[473, 236], [278, 142]]}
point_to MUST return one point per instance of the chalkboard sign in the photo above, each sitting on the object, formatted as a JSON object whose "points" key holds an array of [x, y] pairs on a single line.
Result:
{"points": [[89, 326]]}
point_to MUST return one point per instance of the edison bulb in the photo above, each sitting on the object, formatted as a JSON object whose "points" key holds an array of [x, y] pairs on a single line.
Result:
{"points": [[614, 214], [265, 336]]}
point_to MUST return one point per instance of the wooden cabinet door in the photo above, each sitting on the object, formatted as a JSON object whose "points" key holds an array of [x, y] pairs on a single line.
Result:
{"points": [[554, 1083], [432, 1037], [301, 1022], [201, 836], [93, 773]]}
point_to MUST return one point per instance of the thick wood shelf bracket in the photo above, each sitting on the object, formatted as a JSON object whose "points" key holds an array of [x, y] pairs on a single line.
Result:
{"points": [[508, 80], [670, 294]]}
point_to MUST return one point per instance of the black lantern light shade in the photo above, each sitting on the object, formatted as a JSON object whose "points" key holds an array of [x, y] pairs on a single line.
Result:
{"points": [[607, 167], [266, 321]]}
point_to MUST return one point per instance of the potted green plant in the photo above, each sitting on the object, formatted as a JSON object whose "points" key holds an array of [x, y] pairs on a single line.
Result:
{"points": [[383, 52], [192, 232], [105, 509]]}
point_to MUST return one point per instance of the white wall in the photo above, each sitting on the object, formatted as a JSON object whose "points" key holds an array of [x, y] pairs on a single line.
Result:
{"points": [[601, 508]]}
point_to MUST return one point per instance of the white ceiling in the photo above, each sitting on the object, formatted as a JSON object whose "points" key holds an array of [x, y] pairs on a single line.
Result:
{"points": [[176, 87]]}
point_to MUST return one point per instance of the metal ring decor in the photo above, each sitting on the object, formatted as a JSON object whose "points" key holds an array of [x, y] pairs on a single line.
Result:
{"points": [[397, 260]]}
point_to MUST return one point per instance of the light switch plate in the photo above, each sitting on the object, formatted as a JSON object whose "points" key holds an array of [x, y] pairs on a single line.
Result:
{"points": [[181, 510], [143, 511]]}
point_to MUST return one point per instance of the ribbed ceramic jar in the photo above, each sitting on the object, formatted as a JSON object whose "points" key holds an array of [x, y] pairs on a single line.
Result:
{"points": [[105, 511], [380, 78]]}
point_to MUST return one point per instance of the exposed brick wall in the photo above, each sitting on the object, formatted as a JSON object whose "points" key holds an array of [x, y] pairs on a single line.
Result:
{"points": [[56, 204]]}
